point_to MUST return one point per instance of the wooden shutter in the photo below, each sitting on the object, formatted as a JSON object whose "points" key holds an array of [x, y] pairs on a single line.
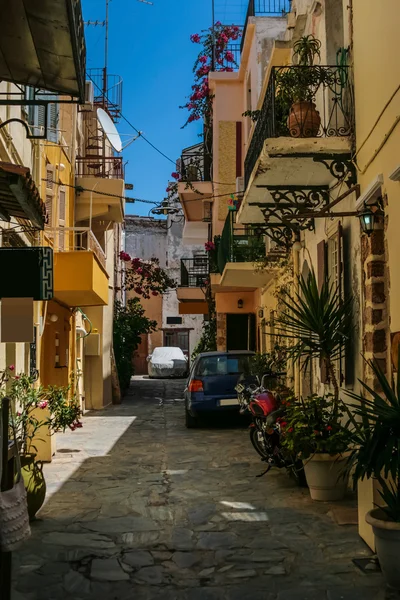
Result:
{"points": [[238, 148], [321, 276], [61, 216], [321, 263], [347, 271], [49, 210], [50, 186], [53, 119]]}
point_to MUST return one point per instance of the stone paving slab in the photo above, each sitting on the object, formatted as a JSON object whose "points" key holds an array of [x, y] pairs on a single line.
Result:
{"points": [[140, 508]]}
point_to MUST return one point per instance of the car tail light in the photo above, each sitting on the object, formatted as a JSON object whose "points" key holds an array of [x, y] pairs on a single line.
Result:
{"points": [[195, 386]]}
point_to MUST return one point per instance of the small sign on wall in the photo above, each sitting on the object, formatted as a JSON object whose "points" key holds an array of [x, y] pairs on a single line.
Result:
{"points": [[16, 322]]}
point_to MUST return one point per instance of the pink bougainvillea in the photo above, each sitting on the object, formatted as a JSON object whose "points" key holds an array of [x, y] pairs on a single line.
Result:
{"points": [[199, 104], [145, 277], [209, 246]]}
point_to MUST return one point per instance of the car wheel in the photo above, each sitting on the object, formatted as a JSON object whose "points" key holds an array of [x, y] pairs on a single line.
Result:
{"points": [[191, 422]]}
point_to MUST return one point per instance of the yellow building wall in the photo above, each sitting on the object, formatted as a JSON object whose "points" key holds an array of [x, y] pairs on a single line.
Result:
{"points": [[64, 328], [226, 166], [377, 96]]}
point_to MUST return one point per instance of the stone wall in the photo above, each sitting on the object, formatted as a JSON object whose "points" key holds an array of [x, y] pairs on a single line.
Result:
{"points": [[221, 332], [375, 318]]}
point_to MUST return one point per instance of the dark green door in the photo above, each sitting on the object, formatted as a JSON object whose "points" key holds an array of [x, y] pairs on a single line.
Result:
{"points": [[241, 332]]}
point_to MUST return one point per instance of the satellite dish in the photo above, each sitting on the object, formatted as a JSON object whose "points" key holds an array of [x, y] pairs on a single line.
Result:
{"points": [[109, 129]]}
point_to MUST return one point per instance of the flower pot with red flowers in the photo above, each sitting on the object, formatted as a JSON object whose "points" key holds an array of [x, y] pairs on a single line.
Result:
{"points": [[54, 408], [319, 431]]}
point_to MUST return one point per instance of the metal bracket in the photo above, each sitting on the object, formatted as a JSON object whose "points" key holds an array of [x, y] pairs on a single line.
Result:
{"points": [[29, 135], [340, 166]]}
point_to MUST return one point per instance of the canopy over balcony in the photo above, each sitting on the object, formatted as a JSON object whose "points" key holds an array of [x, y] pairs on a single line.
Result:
{"points": [[19, 196], [43, 45]]}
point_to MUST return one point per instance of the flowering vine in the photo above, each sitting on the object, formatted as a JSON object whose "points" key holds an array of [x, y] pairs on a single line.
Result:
{"points": [[199, 104], [145, 277]]}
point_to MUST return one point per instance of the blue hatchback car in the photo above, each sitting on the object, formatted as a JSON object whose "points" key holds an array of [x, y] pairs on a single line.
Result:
{"points": [[211, 384]]}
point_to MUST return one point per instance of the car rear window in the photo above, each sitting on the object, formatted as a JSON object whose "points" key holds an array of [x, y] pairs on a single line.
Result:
{"points": [[223, 365]]}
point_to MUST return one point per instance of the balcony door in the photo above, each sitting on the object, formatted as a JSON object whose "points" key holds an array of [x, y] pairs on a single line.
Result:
{"points": [[241, 332]]}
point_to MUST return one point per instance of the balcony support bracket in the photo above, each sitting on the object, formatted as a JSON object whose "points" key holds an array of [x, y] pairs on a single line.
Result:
{"points": [[340, 166]]}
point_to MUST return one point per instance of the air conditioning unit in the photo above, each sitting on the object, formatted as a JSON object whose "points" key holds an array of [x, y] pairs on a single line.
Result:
{"points": [[239, 186], [89, 96]]}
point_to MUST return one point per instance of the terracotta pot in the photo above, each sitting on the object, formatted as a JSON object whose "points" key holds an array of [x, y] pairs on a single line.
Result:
{"points": [[387, 541], [304, 120], [324, 474], [35, 484]]}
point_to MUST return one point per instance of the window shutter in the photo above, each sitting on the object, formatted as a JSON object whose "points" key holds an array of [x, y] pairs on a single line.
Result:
{"points": [[49, 210], [349, 350], [50, 185], [321, 263], [321, 276], [53, 119], [61, 217]]}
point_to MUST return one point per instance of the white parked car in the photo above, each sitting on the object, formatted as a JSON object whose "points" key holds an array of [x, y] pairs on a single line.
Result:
{"points": [[167, 362]]}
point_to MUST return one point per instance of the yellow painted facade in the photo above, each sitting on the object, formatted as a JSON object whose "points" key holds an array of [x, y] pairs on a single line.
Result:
{"points": [[79, 279]]}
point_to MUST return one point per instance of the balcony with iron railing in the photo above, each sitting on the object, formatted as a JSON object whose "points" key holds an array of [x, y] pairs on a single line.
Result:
{"points": [[238, 251], [277, 118], [195, 187], [265, 8], [196, 163], [105, 167], [100, 188], [76, 239], [80, 269], [195, 274]]}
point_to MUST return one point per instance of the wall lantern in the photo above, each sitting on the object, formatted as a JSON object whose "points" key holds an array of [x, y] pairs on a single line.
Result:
{"points": [[367, 221], [240, 303], [261, 313], [368, 217]]}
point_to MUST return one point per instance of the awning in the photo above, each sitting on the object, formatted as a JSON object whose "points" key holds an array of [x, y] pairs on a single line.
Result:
{"points": [[19, 196], [42, 44], [195, 233]]}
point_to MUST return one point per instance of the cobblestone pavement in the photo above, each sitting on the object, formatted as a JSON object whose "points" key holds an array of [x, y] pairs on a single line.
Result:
{"points": [[139, 508]]}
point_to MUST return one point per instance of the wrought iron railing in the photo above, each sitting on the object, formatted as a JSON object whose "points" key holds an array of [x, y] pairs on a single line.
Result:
{"points": [[72, 239], [195, 163], [265, 8], [111, 100], [231, 58], [110, 167], [194, 272], [279, 116], [238, 243]]}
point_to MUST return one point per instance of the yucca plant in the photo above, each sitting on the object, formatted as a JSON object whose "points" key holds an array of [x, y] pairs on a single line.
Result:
{"points": [[377, 439], [318, 321]]}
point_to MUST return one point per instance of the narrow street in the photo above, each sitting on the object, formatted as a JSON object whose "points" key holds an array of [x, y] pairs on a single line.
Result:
{"points": [[140, 508]]}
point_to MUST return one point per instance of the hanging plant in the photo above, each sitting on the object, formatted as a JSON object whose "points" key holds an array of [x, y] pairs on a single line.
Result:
{"points": [[145, 277], [199, 104]]}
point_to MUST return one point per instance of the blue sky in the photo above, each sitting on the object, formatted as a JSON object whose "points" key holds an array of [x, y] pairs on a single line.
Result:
{"points": [[149, 47]]}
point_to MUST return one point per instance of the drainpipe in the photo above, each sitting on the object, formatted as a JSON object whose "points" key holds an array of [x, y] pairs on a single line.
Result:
{"points": [[296, 272]]}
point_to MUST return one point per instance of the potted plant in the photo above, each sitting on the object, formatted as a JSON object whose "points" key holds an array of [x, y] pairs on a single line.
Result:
{"points": [[377, 456], [297, 86], [35, 408], [318, 323], [314, 430]]}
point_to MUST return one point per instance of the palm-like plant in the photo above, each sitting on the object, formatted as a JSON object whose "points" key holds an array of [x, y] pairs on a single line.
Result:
{"points": [[377, 439], [318, 321]]}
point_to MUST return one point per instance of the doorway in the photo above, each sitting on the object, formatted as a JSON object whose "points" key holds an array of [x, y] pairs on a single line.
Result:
{"points": [[241, 332]]}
